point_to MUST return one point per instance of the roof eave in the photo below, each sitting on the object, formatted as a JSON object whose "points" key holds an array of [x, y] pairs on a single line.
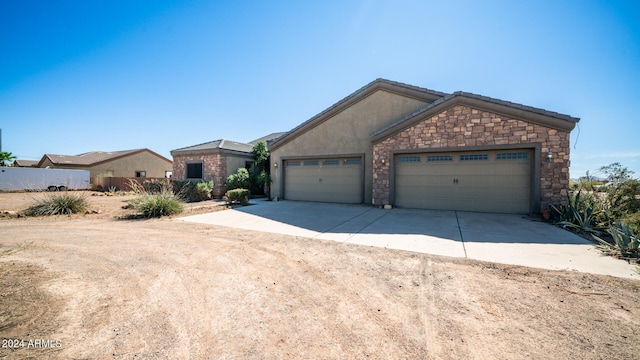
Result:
{"points": [[213, 151]]}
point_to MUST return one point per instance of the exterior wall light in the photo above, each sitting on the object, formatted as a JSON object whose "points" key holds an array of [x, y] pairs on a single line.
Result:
{"points": [[549, 156], [275, 164], [382, 159]]}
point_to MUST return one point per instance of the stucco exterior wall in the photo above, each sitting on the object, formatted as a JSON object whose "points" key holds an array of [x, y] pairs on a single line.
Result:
{"points": [[463, 127], [346, 133], [236, 162], [128, 166]]}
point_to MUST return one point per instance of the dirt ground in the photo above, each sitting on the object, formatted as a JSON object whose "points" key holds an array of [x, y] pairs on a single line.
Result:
{"points": [[98, 286]]}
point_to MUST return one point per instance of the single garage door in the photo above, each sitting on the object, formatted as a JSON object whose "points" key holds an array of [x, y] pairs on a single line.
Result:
{"points": [[338, 180], [486, 181]]}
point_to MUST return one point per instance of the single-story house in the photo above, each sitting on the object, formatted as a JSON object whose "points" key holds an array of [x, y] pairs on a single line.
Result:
{"points": [[215, 160], [395, 144], [126, 163], [25, 163]]}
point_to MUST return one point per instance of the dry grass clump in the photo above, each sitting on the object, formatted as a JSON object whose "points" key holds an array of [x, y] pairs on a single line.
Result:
{"points": [[65, 203]]}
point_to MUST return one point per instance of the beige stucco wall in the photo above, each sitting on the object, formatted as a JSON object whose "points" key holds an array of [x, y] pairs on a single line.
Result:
{"points": [[236, 162], [346, 133], [129, 165], [464, 128]]}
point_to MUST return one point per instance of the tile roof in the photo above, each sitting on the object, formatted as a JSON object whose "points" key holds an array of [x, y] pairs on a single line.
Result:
{"points": [[26, 163], [268, 138], [218, 144], [88, 158]]}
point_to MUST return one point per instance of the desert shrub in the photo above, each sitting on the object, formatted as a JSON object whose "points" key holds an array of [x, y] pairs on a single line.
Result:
{"points": [[155, 198], [156, 186], [240, 180], [58, 204], [193, 191], [157, 205], [237, 196], [96, 187], [622, 198]]}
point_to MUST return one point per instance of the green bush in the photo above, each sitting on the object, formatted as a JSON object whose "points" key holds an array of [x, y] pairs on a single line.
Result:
{"points": [[240, 180], [193, 191], [58, 204], [237, 196], [157, 205]]}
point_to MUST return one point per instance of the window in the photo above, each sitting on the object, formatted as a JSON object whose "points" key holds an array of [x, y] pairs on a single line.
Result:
{"points": [[311, 163], [351, 162], [330, 162], [474, 157], [439, 158], [194, 171], [409, 158], [141, 174], [293, 163], [512, 156]]}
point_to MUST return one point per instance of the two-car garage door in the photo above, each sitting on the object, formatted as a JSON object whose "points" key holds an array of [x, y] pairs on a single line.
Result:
{"points": [[338, 180], [489, 181]]}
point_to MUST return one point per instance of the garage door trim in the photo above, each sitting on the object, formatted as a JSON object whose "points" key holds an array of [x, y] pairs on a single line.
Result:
{"points": [[361, 156], [535, 172]]}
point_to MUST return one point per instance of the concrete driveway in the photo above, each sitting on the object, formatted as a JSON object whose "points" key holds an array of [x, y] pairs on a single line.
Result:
{"points": [[500, 238]]}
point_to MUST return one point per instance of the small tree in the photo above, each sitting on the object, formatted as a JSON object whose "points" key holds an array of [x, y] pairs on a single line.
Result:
{"points": [[6, 157], [260, 155], [616, 173]]}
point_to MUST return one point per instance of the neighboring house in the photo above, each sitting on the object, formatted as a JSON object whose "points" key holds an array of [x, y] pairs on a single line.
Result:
{"points": [[25, 163], [390, 143], [126, 163], [215, 160]]}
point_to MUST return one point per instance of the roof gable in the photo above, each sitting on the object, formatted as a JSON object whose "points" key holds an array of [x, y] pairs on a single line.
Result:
{"points": [[517, 111], [398, 88]]}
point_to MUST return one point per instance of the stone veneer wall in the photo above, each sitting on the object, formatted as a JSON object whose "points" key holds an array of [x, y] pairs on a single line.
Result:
{"points": [[214, 169], [462, 126]]}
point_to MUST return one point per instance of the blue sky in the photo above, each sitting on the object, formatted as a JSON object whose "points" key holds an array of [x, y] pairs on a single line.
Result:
{"points": [[79, 76]]}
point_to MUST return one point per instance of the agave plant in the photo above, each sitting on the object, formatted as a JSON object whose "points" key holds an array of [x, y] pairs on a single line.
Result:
{"points": [[625, 241], [578, 214]]}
